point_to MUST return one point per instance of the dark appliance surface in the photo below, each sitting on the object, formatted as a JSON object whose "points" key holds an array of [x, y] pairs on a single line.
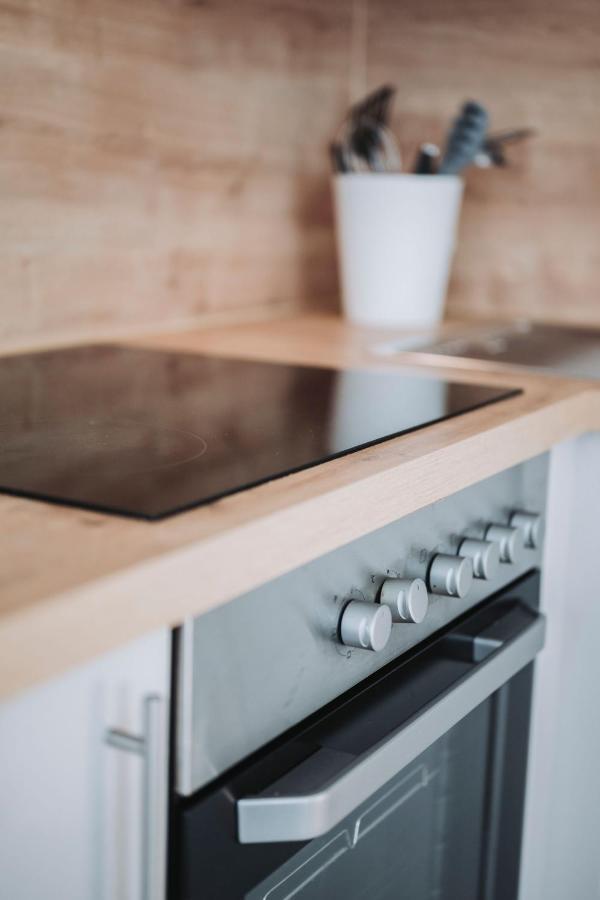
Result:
{"points": [[564, 350], [149, 433], [448, 825]]}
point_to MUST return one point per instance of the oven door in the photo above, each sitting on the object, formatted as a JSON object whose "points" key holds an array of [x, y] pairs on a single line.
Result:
{"points": [[410, 786]]}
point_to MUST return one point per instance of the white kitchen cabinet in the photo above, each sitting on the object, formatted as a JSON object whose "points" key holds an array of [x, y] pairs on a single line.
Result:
{"points": [[71, 806], [562, 820]]}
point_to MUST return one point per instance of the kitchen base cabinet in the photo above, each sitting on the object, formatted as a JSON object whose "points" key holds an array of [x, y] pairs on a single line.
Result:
{"points": [[72, 807]]}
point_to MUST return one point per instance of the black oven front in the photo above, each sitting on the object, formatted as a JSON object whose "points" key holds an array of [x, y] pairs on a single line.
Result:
{"points": [[409, 786]]}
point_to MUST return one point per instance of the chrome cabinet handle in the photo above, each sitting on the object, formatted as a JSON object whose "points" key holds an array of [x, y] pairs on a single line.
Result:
{"points": [[152, 747], [329, 785]]}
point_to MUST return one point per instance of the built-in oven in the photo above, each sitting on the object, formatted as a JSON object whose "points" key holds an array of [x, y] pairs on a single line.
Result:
{"points": [[318, 756]]}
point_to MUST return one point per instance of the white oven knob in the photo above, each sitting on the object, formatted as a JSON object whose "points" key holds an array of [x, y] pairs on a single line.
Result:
{"points": [[407, 599], [531, 524], [485, 556], [366, 625], [450, 575], [510, 541]]}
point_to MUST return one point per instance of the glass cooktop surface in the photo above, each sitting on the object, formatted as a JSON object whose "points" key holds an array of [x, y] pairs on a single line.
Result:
{"points": [[149, 433]]}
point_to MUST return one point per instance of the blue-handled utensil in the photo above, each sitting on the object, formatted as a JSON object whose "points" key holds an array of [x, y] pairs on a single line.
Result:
{"points": [[465, 140]]}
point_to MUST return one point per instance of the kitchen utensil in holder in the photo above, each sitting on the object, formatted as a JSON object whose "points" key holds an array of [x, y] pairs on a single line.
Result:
{"points": [[396, 235]]}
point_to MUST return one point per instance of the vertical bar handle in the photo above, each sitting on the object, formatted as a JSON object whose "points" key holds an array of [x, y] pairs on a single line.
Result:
{"points": [[152, 747]]}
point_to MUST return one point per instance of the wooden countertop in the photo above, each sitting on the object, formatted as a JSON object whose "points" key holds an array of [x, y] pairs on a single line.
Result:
{"points": [[74, 584]]}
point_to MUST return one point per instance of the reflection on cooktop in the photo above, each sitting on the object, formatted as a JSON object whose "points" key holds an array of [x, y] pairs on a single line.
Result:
{"points": [[133, 447], [149, 433]]}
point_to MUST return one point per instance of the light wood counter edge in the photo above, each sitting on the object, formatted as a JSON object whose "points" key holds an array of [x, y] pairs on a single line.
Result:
{"points": [[101, 581]]}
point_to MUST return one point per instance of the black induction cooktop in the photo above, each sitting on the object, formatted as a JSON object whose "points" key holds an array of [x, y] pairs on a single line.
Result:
{"points": [[148, 433]]}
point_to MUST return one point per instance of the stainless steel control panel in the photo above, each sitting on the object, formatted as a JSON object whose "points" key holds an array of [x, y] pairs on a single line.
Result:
{"points": [[260, 664]]}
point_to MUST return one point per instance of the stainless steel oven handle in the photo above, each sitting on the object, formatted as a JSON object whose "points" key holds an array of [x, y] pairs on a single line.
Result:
{"points": [[152, 747], [320, 799]]}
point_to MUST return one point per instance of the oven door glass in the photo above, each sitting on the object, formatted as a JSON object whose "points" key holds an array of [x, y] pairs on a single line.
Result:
{"points": [[409, 788], [425, 834]]}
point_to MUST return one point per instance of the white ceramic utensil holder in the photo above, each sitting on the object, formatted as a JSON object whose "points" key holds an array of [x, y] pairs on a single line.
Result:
{"points": [[396, 235]]}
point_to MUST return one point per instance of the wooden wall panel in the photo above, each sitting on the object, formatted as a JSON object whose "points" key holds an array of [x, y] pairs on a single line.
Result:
{"points": [[165, 161], [529, 242], [161, 160]]}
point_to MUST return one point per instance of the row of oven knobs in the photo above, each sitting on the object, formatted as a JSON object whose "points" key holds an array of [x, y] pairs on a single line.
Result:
{"points": [[369, 625]]}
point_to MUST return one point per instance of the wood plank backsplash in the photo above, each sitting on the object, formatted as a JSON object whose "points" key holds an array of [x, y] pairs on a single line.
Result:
{"points": [[530, 238], [165, 161], [162, 160]]}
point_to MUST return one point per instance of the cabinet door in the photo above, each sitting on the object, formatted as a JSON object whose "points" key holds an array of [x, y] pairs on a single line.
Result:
{"points": [[71, 806]]}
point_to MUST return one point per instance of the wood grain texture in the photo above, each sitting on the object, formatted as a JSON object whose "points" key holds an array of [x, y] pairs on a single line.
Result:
{"points": [[74, 584], [528, 241], [165, 161], [162, 159]]}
